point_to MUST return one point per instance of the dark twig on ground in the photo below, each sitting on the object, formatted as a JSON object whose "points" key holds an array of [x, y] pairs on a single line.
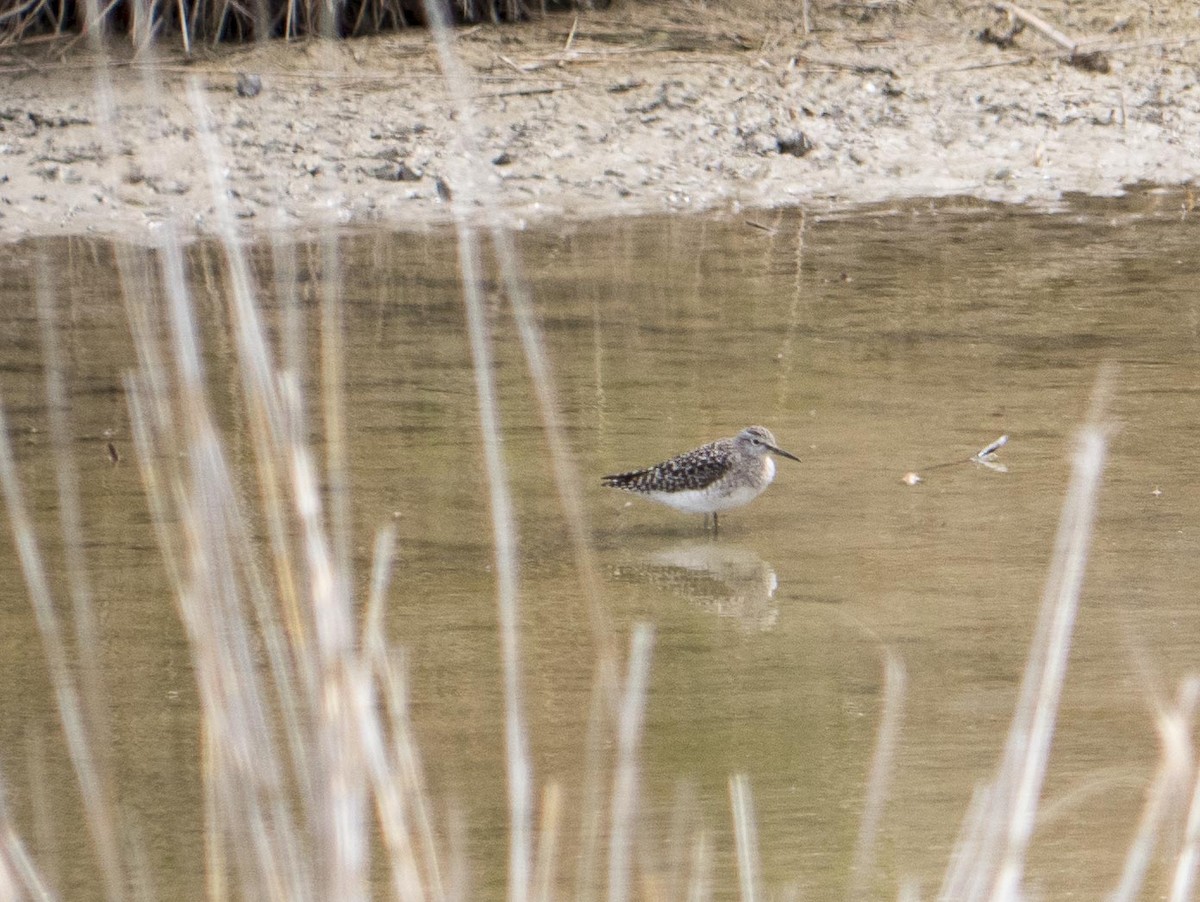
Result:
{"points": [[1090, 60]]}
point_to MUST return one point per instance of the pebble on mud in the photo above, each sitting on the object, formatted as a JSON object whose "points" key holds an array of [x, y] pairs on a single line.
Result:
{"points": [[395, 172], [795, 143], [248, 85]]}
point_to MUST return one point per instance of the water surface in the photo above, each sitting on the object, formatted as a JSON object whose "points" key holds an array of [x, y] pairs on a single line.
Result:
{"points": [[872, 345]]}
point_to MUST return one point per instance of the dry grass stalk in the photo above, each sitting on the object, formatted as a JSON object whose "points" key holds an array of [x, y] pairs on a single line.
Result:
{"points": [[547, 850], [470, 191], [520, 780], [87, 632], [625, 780], [745, 832], [591, 823], [1176, 768], [1183, 879], [79, 712], [20, 877], [293, 757], [989, 856], [700, 882], [894, 683]]}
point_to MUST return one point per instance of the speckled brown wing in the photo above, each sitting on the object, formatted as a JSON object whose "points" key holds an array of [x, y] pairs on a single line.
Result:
{"points": [[695, 470]]}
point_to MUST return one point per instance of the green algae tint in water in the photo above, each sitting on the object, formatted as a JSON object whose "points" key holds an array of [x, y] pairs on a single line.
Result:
{"points": [[872, 346]]}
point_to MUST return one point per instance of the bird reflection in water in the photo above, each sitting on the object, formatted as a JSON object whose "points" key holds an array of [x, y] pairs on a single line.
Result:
{"points": [[730, 582]]}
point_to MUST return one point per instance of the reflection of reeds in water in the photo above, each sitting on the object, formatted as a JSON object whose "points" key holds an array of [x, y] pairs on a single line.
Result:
{"points": [[311, 771]]}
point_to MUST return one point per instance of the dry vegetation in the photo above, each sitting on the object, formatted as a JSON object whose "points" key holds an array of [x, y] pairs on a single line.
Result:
{"points": [[232, 20], [311, 770]]}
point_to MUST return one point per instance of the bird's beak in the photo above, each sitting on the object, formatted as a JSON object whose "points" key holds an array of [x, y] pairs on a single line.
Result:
{"points": [[782, 453]]}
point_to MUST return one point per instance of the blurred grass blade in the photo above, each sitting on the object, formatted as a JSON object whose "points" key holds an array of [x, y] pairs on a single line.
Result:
{"points": [[547, 851], [989, 860], [700, 883], [519, 768], [894, 685], [745, 834], [98, 807], [1183, 880], [1176, 766], [625, 782], [19, 876]]}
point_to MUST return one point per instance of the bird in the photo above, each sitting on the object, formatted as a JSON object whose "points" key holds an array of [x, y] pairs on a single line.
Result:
{"points": [[715, 477]]}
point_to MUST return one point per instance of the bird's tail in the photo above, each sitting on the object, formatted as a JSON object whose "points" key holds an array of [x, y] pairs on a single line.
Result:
{"points": [[628, 481]]}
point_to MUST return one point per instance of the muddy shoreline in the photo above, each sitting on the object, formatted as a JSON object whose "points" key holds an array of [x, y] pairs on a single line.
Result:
{"points": [[640, 110]]}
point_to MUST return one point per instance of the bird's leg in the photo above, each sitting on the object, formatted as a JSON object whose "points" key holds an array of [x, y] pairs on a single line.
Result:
{"points": [[716, 524]]}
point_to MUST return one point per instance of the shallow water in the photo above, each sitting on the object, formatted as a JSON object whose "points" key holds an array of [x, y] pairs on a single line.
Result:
{"points": [[872, 345]]}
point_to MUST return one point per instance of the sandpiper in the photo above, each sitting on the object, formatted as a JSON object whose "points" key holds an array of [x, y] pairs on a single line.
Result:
{"points": [[715, 477]]}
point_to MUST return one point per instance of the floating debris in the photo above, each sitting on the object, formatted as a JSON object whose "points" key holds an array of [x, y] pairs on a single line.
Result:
{"points": [[770, 230], [113, 454], [992, 448], [984, 455]]}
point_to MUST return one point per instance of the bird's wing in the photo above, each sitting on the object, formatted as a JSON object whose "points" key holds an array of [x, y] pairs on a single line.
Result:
{"points": [[696, 470]]}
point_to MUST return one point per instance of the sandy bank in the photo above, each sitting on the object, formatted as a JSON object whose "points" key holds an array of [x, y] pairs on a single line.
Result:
{"points": [[648, 109]]}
